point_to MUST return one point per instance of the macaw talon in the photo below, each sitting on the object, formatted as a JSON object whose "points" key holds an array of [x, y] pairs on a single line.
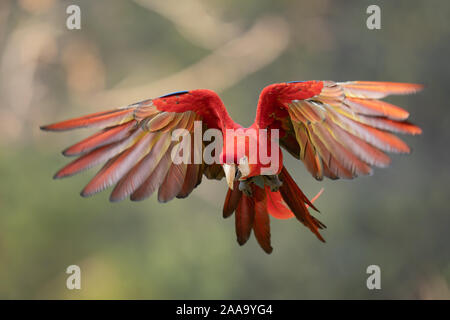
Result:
{"points": [[273, 182], [245, 187]]}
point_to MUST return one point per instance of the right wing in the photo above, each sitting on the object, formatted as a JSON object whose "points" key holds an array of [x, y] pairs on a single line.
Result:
{"points": [[338, 129]]}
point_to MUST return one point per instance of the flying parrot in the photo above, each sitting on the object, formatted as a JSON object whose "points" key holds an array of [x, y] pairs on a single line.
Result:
{"points": [[338, 130]]}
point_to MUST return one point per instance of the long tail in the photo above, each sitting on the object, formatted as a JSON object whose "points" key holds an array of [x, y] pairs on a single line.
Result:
{"points": [[298, 203], [252, 212]]}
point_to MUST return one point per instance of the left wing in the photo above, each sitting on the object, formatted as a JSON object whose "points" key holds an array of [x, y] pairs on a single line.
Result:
{"points": [[338, 129], [135, 144]]}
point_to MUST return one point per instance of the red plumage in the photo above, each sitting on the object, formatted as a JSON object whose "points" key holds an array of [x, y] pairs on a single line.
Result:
{"points": [[339, 130]]}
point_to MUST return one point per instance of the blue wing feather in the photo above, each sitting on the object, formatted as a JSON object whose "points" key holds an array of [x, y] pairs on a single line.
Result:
{"points": [[174, 94]]}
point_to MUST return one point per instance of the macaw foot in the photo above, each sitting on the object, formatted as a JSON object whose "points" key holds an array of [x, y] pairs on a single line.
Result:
{"points": [[273, 182], [245, 187]]}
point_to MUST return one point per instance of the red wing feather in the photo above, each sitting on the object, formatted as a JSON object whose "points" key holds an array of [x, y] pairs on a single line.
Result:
{"points": [[154, 181], [104, 137], [341, 128], [134, 142], [141, 171], [113, 172], [102, 119]]}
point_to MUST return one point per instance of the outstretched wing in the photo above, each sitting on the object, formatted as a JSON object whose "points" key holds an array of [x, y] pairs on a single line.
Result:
{"points": [[135, 144], [338, 129]]}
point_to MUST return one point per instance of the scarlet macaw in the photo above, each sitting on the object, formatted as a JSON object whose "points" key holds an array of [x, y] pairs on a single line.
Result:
{"points": [[338, 130]]}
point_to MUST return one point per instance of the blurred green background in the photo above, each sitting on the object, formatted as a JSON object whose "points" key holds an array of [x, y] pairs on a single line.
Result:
{"points": [[127, 51]]}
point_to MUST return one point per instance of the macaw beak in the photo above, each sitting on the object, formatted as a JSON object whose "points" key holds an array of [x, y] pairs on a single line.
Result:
{"points": [[244, 167], [230, 173]]}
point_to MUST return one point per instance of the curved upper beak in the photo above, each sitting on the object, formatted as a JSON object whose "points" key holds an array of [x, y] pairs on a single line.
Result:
{"points": [[244, 167], [240, 173], [230, 173]]}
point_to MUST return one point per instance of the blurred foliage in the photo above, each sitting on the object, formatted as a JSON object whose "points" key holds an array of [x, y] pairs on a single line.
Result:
{"points": [[397, 219]]}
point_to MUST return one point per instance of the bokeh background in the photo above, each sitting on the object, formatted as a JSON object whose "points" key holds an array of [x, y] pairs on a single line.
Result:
{"points": [[127, 51]]}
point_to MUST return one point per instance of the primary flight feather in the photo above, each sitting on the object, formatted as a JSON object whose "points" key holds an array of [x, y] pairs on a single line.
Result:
{"points": [[338, 130]]}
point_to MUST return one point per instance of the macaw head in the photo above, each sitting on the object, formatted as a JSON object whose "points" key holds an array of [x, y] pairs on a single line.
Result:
{"points": [[243, 157], [241, 171]]}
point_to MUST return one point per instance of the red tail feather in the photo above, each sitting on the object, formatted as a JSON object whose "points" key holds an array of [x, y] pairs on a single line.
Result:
{"points": [[261, 224], [232, 200], [297, 201], [244, 218]]}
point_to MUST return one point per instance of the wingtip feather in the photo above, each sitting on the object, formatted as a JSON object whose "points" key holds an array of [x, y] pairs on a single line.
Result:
{"points": [[85, 194]]}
